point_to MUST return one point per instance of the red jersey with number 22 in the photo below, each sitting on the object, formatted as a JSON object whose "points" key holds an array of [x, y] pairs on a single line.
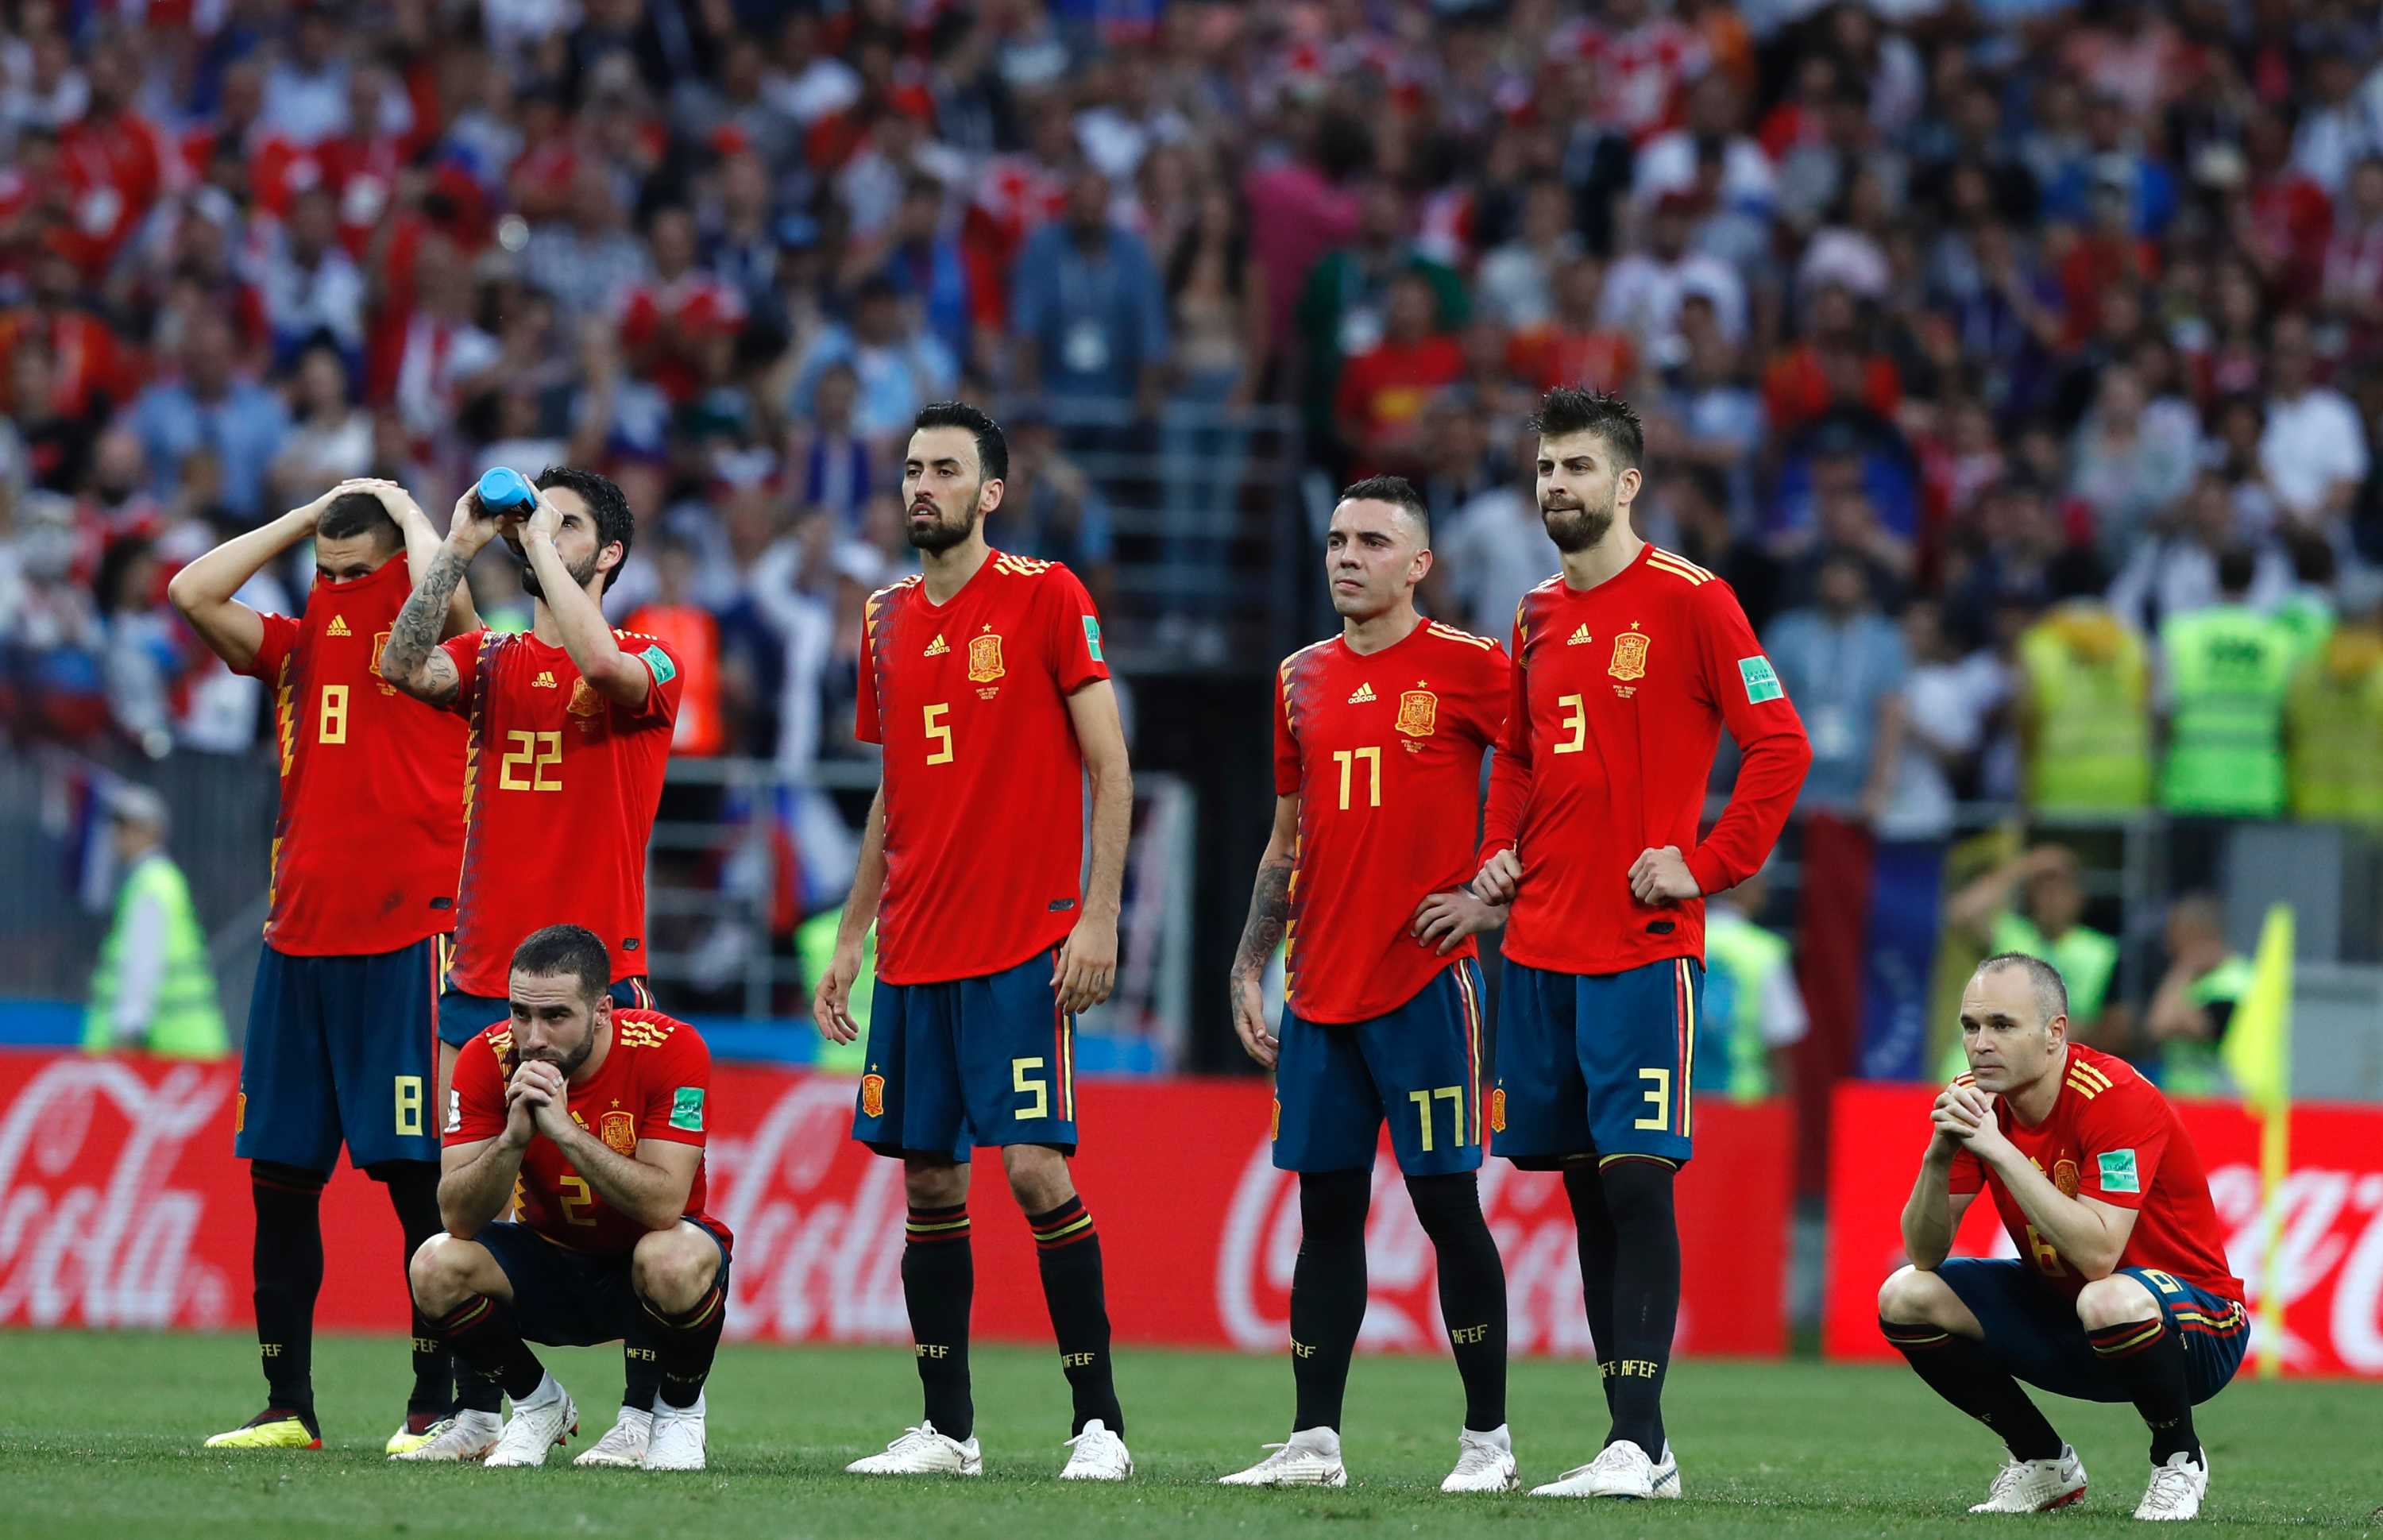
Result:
{"points": [[983, 778], [2112, 1137], [654, 1084], [1383, 750]]}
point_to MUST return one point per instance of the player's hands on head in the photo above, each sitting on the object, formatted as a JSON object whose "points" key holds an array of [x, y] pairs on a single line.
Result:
{"points": [[394, 497], [832, 1003], [1087, 968], [1662, 877], [312, 512], [1499, 879], [1249, 1019], [1449, 917]]}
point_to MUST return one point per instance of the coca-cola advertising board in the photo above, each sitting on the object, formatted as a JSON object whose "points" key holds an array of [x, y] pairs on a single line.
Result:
{"points": [[2331, 1207], [121, 1206]]}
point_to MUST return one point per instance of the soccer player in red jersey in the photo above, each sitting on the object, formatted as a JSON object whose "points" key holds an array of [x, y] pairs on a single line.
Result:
{"points": [[342, 1026], [2121, 1291], [1378, 734], [1626, 665], [983, 680], [596, 1116], [568, 727]]}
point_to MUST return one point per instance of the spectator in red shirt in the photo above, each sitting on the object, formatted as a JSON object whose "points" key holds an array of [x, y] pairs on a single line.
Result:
{"points": [[1383, 391], [670, 317], [1795, 387], [1575, 348]]}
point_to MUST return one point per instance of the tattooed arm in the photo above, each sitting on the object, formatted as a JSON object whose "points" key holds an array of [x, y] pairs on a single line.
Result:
{"points": [[412, 660], [1269, 913]]}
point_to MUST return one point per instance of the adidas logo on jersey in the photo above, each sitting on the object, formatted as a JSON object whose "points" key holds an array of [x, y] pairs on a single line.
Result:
{"points": [[339, 627], [936, 648], [1365, 693], [545, 681], [1579, 637]]}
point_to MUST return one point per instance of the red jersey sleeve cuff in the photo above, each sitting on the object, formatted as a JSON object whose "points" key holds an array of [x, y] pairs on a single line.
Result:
{"points": [[669, 1135], [1710, 875], [1489, 849]]}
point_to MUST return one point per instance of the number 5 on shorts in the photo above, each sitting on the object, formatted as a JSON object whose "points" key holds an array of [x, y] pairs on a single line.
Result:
{"points": [[1039, 1089]]}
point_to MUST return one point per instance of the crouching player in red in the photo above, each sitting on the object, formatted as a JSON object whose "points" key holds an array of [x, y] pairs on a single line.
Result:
{"points": [[597, 1113], [2121, 1291]]}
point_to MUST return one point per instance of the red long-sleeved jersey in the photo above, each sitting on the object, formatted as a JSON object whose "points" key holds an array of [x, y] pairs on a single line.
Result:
{"points": [[1620, 693]]}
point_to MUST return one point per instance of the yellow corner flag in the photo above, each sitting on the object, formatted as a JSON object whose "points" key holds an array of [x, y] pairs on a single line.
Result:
{"points": [[2258, 1054]]}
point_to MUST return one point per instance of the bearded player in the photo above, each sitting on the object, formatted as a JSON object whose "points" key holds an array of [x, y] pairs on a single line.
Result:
{"points": [[342, 1026], [1378, 737], [983, 680], [1626, 665], [2120, 1290], [569, 727], [596, 1115]]}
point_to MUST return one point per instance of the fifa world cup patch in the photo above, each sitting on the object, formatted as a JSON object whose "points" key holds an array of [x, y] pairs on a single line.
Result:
{"points": [[1762, 684], [873, 1095], [1498, 1110], [1093, 638], [659, 661], [985, 657], [2118, 1171], [687, 1109], [619, 1129]]}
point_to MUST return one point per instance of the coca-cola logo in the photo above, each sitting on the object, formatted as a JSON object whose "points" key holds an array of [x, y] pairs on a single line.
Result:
{"points": [[2331, 1228], [94, 1230]]}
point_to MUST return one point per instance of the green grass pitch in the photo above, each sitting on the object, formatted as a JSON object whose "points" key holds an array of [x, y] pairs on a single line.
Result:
{"points": [[100, 1438]]}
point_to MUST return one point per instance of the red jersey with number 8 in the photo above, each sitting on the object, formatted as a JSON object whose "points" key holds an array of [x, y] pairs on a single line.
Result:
{"points": [[560, 790], [983, 778]]}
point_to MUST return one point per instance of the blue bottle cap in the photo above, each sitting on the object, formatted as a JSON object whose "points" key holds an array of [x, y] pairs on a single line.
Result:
{"points": [[503, 488]]}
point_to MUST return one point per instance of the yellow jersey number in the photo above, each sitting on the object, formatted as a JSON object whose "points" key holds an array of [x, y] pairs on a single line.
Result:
{"points": [[331, 720], [1576, 722], [1348, 759], [525, 766], [938, 734]]}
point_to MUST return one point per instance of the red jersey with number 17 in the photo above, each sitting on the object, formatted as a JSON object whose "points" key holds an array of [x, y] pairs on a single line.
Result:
{"points": [[2112, 1137], [371, 828], [561, 786], [983, 778], [1383, 750]]}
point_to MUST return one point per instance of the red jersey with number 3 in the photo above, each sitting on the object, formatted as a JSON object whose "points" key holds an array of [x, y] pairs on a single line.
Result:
{"points": [[559, 802], [2113, 1137], [371, 828], [1383, 750], [654, 1084], [983, 778]]}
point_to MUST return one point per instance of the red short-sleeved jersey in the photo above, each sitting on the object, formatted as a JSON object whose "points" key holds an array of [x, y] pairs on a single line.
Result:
{"points": [[1383, 750], [654, 1083], [2112, 1137], [559, 801], [370, 833], [983, 778], [1620, 693]]}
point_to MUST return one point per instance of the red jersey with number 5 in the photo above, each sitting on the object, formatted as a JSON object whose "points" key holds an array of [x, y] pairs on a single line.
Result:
{"points": [[2113, 1137], [983, 778], [559, 793], [1383, 750], [371, 827], [654, 1085]]}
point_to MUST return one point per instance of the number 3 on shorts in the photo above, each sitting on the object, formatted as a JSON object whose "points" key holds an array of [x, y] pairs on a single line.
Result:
{"points": [[1039, 1089], [1658, 1096]]}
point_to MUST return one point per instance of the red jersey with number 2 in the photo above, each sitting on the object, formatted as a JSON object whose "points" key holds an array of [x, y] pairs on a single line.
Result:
{"points": [[1383, 750], [654, 1084], [2112, 1137], [984, 779], [560, 800]]}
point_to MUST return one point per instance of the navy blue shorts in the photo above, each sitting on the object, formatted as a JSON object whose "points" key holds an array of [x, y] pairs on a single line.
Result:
{"points": [[464, 1016], [1596, 1064], [341, 1049], [1419, 1064], [568, 1299], [967, 1061], [2033, 1330]]}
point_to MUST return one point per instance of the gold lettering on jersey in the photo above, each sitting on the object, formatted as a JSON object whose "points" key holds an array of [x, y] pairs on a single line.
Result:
{"points": [[585, 701], [873, 1095], [545, 681], [985, 657], [937, 648], [2064, 1176], [619, 1132], [1579, 637], [1418, 713], [339, 627], [1629, 655], [381, 641]]}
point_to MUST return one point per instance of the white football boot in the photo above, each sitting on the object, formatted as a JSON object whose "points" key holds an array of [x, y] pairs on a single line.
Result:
{"points": [[678, 1437], [1485, 1463], [467, 1435], [536, 1425], [2035, 1486], [921, 1451], [623, 1445], [1620, 1470], [1311, 1458], [1096, 1454], [2177, 1488], [1667, 1473]]}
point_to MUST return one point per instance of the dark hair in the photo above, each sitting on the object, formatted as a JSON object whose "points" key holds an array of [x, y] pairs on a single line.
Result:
{"points": [[1397, 490], [992, 448], [354, 513], [1564, 410], [605, 504], [572, 949], [2237, 566], [2051, 993]]}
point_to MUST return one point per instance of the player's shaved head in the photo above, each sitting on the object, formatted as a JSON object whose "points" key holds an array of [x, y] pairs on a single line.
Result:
{"points": [[1376, 548], [2051, 993], [2014, 1022], [1401, 494]]}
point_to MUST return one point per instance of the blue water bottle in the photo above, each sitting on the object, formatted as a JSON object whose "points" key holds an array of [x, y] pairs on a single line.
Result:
{"points": [[504, 491]]}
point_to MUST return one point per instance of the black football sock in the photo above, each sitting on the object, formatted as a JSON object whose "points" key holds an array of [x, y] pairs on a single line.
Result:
{"points": [[1593, 1223], [1958, 1368], [1646, 1293], [685, 1343], [939, 1285], [641, 1371], [288, 1262], [1471, 1291], [2148, 1359], [482, 1334], [413, 1193], [1068, 1249], [1327, 1292]]}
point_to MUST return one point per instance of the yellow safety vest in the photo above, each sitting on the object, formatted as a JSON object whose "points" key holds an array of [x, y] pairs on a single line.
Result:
{"points": [[185, 1022], [2335, 730], [2089, 681]]}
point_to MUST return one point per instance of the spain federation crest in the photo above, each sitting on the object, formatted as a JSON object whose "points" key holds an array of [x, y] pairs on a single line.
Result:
{"points": [[619, 1132], [873, 1095], [585, 701], [1418, 713], [1498, 1110], [985, 657], [2064, 1176], [1629, 656]]}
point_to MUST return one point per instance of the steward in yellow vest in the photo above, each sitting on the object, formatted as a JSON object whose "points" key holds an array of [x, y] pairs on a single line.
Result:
{"points": [[152, 990]]}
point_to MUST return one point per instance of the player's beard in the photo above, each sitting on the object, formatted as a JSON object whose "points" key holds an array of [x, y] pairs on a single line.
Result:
{"points": [[529, 581], [1576, 527], [569, 1063], [943, 534]]}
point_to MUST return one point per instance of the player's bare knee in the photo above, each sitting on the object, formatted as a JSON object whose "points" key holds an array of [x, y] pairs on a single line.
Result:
{"points": [[674, 1268], [1038, 1177], [439, 1274], [933, 1184], [1912, 1298], [2113, 1301]]}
